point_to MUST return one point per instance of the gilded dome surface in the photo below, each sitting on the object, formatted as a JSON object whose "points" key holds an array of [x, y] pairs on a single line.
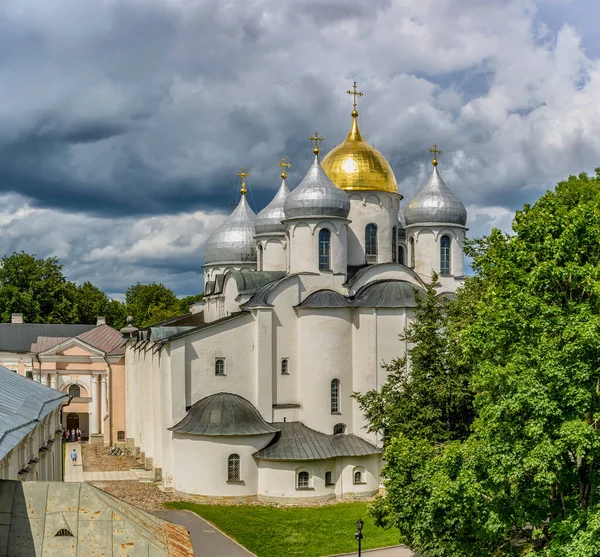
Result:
{"points": [[356, 165]]}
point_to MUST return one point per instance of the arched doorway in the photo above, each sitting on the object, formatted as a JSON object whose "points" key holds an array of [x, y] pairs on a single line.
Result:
{"points": [[72, 421]]}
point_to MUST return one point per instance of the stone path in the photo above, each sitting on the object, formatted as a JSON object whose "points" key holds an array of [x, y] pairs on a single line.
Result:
{"points": [[136, 474], [73, 472], [206, 539]]}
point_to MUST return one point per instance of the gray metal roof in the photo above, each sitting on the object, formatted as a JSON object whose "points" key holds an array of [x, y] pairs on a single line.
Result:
{"points": [[268, 221], [325, 299], [33, 513], [18, 337], [435, 203], [223, 414], [24, 403], [249, 282], [299, 442], [233, 241], [317, 196], [360, 270]]}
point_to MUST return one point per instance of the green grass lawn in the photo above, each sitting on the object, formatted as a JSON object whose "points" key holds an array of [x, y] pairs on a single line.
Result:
{"points": [[296, 531]]}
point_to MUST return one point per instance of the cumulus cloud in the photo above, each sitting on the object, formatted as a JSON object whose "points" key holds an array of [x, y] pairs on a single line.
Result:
{"points": [[125, 121]]}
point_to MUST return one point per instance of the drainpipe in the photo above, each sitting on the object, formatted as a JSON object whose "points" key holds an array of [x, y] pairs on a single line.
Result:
{"points": [[109, 406]]}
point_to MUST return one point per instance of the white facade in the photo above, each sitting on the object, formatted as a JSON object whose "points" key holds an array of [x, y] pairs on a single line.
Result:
{"points": [[294, 331]]}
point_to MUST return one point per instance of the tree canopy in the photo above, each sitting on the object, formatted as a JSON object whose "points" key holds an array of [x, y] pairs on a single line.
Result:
{"points": [[527, 336]]}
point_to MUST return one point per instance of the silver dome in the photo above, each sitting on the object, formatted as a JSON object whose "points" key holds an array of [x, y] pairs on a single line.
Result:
{"points": [[317, 196], [435, 203], [233, 241], [268, 221]]}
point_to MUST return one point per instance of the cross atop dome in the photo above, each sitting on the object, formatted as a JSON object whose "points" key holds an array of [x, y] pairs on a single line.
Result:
{"points": [[316, 139], [435, 152], [283, 165], [243, 175], [355, 94]]}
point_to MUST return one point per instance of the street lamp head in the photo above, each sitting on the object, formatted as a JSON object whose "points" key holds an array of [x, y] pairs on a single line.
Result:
{"points": [[359, 524]]}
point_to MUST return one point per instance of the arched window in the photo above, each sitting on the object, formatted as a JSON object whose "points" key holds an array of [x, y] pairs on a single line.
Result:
{"points": [[285, 366], [335, 396], [401, 258], [260, 257], [233, 468], [324, 250], [394, 244], [63, 532], [445, 255], [371, 243], [412, 252], [328, 478], [220, 366], [75, 391], [303, 479], [339, 428], [357, 477]]}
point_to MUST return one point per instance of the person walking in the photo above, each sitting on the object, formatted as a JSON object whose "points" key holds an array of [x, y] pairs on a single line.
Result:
{"points": [[78, 435], [72, 436], [74, 457]]}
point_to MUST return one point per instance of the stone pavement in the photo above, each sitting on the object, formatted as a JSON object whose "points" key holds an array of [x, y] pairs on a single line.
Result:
{"points": [[73, 472], [206, 539], [398, 551]]}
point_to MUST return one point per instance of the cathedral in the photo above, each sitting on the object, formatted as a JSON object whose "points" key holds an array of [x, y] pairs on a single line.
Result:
{"points": [[249, 396]]}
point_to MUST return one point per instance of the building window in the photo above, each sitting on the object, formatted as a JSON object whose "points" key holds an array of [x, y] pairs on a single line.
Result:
{"points": [[120, 436], [285, 370], [324, 250], [401, 258], [339, 428], [394, 245], [63, 532], [303, 480], [371, 243], [75, 391], [335, 396], [260, 257], [29, 374], [328, 478], [358, 477], [233, 468], [412, 253], [445, 255], [220, 366]]}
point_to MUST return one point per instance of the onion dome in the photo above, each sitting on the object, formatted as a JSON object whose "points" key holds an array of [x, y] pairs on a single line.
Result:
{"points": [[356, 165], [223, 414], [435, 203], [233, 241], [316, 195], [268, 221]]}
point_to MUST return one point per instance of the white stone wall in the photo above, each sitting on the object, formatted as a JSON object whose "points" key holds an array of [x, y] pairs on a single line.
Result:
{"points": [[274, 252]]}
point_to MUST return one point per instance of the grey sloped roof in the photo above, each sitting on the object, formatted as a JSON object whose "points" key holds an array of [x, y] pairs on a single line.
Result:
{"points": [[361, 270], [223, 414], [32, 513], [24, 403], [299, 442], [18, 337], [249, 282], [325, 299], [161, 333]]}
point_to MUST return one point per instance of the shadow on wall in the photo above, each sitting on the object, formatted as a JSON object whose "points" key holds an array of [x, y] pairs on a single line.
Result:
{"points": [[18, 531]]}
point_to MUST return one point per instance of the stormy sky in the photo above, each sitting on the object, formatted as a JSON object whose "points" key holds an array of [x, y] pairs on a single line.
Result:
{"points": [[123, 123]]}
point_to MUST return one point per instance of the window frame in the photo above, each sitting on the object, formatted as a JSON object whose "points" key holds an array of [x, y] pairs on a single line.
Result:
{"points": [[75, 387], [360, 477], [334, 396], [394, 244], [371, 247], [120, 436], [223, 372], [329, 483], [411, 242], [234, 468], [285, 366], [260, 257], [305, 480], [324, 251], [401, 255], [339, 426], [445, 256]]}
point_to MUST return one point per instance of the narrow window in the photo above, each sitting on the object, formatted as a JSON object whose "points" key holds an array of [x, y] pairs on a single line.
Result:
{"points": [[328, 478], [303, 480], [120, 436], [75, 391], [233, 468], [358, 477], [324, 250], [219, 366], [401, 258], [284, 366], [412, 253], [63, 532], [339, 428], [371, 243], [394, 244], [445, 255], [260, 257], [335, 396]]}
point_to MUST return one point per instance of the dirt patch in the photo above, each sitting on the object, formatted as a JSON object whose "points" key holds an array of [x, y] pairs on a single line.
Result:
{"points": [[145, 495], [96, 459]]}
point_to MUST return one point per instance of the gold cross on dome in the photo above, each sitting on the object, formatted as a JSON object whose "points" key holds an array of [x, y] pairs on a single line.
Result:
{"points": [[243, 174], [316, 139], [355, 94], [435, 152], [283, 164]]}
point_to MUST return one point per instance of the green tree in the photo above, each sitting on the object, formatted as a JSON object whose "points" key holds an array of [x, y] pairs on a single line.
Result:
{"points": [[187, 301], [526, 480], [37, 288], [151, 303], [91, 302]]}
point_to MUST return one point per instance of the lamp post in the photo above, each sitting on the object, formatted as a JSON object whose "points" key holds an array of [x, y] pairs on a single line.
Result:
{"points": [[358, 534]]}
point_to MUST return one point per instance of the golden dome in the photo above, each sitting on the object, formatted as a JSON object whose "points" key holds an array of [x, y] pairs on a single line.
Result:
{"points": [[355, 165]]}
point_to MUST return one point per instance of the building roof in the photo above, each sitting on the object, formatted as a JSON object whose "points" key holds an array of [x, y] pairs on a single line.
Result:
{"points": [[295, 441], [23, 405], [18, 337], [223, 414], [102, 337], [90, 522]]}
